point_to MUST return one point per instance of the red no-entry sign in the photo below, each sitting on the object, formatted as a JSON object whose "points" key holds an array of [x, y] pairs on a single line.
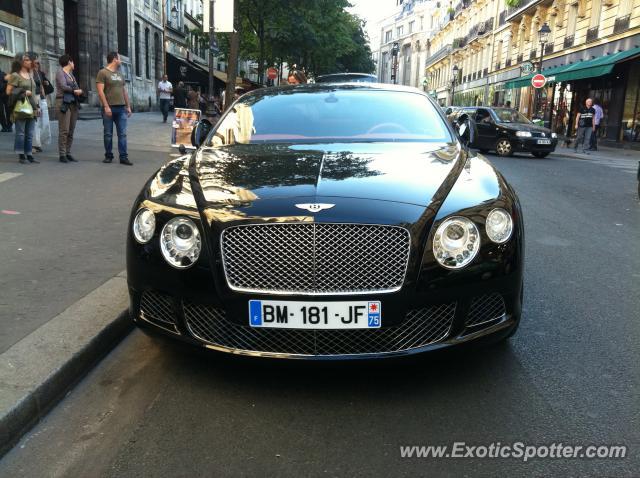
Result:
{"points": [[272, 73], [538, 81]]}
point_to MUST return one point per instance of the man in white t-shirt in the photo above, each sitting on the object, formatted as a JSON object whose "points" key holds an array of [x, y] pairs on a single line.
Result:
{"points": [[164, 95]]}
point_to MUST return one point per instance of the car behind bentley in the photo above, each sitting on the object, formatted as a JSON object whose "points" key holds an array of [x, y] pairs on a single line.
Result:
{"points": [[327, 221]]}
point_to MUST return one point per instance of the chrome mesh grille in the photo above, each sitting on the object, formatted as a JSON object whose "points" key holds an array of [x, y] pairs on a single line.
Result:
{"points": [[315, 258], [484, 309], [421, 327], [157, 308]]}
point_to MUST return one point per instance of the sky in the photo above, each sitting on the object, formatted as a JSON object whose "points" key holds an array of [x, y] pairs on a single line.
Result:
{"points": [[372, 11]]}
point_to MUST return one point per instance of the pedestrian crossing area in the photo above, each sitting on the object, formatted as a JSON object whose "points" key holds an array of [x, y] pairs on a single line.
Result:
{"points": [[7, 176]]}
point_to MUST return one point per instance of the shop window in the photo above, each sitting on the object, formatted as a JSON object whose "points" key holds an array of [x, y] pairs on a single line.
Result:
{"points": [[631, 116]]}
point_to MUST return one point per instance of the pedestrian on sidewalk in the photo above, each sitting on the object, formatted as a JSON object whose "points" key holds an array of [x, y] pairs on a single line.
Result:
{"points": [[115, 107], [23, 105], [192, 99], [5, 112], [165, 89], [180, 96], [585, 126], [597, 119], [67, 105], [39, 81]]}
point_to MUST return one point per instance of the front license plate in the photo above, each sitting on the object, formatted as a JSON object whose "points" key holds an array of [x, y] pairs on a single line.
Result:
{"points": [[544, 141], [315, 315]]}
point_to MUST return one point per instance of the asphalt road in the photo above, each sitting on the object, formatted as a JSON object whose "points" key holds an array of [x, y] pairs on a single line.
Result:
{"points": [[62, 226], [570, 375]]}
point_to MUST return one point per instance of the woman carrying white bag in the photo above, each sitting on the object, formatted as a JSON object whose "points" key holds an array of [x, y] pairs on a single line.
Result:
{"points": [[42, 133]]}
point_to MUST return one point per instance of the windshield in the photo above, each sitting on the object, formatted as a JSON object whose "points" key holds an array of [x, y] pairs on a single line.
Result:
{"points": [[507, 115], [304, 115]]}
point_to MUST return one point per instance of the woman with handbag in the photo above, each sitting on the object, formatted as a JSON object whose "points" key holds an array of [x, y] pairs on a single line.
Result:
{"points": [[39, 80], [23, 103], [67, 94]]}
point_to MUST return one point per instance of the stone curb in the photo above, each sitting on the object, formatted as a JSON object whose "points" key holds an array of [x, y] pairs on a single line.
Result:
{"points": [[39, 370]]}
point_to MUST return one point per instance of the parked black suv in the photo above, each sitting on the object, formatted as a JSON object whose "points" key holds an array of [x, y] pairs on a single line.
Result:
{"points": [[505, 131]]}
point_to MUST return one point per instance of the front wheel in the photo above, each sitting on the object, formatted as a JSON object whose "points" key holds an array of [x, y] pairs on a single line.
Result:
{"points": [[540, 154], [504, 148]]}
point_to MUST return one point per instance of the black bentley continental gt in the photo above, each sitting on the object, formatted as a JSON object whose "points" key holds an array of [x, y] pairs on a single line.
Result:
{"points": [[327, 221]]}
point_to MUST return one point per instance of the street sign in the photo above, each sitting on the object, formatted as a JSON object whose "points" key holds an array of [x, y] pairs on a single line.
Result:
{"points": [[538, 81], [527, 67], [272, 73], [215, 49]]}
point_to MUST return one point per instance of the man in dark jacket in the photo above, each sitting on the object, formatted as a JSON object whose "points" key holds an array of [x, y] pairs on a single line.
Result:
{"points": [[180, 96]]}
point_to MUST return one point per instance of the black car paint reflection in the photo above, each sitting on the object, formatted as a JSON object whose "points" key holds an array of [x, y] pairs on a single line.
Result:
{"points": [[413, 185]]}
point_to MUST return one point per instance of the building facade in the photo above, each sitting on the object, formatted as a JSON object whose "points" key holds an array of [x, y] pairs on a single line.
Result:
{"points": [[88, 30], [409, 29], [592, 51]]}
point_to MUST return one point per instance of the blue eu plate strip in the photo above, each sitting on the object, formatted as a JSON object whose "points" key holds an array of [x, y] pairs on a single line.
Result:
{"points": [[255, 312]]}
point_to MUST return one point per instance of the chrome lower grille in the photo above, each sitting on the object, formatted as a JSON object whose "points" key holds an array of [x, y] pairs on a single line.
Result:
{"points": [[315, 258], [421, 327], [157, 308], [486, 308]]}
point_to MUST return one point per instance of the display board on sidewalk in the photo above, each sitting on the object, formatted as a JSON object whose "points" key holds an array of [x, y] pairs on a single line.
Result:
{"points": [[183, 123]]}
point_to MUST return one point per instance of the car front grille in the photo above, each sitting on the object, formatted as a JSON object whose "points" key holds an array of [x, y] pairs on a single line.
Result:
{"points": [[312, 258], [157, 308], [484, 309], [420, 327]]}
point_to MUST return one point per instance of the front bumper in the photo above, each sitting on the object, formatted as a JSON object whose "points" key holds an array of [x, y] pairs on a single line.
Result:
{"points": [[530, 145], [425, 326]]}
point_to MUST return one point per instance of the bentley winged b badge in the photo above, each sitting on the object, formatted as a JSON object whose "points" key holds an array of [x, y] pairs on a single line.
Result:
{"points": [[314, 207]]}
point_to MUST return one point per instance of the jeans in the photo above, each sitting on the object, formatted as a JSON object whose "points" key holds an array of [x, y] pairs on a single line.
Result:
{"points": [[66, 126], [164, 107], [584, 137], [594, 139], [119, 117], [24, 135]]}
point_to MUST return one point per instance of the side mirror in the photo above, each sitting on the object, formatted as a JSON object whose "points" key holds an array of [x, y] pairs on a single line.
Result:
{"points": [[200, 131], [464, 133]]}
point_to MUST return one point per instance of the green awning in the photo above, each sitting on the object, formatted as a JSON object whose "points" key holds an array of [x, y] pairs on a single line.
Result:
{"points": [[578, 71]]}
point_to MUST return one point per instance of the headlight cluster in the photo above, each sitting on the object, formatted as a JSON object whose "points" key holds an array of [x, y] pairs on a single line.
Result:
{"points": [[523, 134], [180, 241], [457, 239]]}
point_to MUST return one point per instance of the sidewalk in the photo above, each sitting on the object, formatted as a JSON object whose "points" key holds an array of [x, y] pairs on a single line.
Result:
{"points": [[604, 153], [62, 249]]}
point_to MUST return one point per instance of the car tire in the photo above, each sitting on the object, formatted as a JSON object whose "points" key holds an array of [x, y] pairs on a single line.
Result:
{"points": [[540, 154], [504, 148]]}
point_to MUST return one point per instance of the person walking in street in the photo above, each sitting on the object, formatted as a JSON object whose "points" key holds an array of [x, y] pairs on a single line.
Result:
{"points": [[23, 105], [66, 106], [180, 96], [585, 126], [115, 107], [38, 79], [192, 99], [165, 89], [296, 77], [5, 112], [593, 146]]}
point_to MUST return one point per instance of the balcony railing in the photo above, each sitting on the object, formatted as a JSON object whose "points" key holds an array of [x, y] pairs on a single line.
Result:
{"points": [[548, 48], [488, 25], [507, 62], [568, 41], [513, 11], [441, 53], [621, 24], [592, 34]]}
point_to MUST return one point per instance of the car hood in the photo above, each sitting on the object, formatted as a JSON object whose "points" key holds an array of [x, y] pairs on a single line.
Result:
{"points": [[526, 127], [408, 173]]}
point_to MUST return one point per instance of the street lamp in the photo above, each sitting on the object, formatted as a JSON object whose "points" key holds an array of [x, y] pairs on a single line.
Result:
{"points": [[454, 78], [174, 13], [543, 36]]}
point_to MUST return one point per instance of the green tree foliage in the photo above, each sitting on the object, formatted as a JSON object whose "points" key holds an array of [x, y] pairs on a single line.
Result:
{"points": [[319, 35]]}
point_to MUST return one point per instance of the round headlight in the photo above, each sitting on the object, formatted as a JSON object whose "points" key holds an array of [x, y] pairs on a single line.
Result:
{"points": [[144, 225], [499, 226], [180, 242], [456, 242]]}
